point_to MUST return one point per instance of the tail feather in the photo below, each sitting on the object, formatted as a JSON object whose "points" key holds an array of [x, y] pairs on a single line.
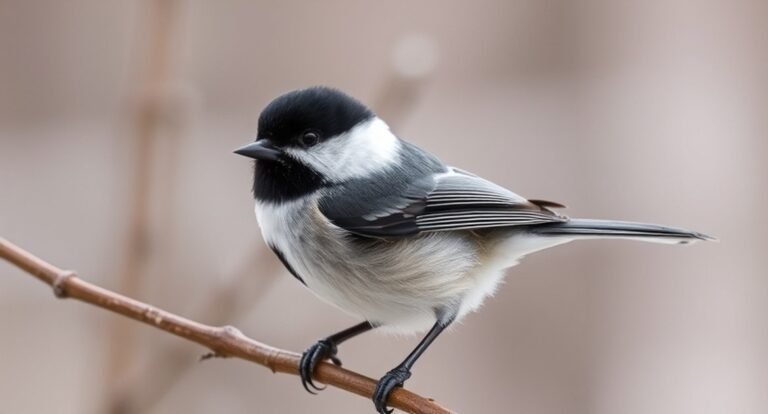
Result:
{"points": [[587, 228]]}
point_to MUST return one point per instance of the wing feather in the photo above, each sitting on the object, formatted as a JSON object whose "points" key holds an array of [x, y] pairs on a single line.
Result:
{"points": [[447, 201]]}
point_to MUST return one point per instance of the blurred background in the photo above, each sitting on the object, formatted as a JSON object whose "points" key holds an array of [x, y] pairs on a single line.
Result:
{"points": [[117, 125]]}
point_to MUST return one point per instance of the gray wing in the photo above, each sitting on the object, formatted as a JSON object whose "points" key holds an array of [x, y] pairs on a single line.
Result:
{"points": [[452, 200]]}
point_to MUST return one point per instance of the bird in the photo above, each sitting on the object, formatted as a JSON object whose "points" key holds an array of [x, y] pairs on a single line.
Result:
{"points": [[389, 233]]}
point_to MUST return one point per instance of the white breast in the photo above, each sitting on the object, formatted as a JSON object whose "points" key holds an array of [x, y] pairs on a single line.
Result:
{"points": [[278, 223]]}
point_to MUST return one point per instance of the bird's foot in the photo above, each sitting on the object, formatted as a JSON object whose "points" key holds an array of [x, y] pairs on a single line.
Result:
{"points": [[387, 383], [319, 351]]}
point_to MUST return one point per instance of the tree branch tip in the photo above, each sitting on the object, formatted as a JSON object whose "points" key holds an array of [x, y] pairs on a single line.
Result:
{"points": [[60, 282]]}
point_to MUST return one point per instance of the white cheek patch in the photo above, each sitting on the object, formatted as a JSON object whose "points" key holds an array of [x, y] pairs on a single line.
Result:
{"points": [[367, 148]]}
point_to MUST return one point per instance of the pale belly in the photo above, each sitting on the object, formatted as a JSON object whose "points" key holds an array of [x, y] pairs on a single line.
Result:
{"points": [[399, 284]]}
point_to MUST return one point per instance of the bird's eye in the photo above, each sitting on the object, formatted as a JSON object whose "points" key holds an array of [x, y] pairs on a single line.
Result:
{"points": [[309, 138]]}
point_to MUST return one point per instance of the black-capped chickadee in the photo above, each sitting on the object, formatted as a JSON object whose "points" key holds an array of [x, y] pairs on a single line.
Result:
{"points": [[387, 232]]}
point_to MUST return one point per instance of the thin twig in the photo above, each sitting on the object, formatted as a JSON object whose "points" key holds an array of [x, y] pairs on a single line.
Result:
{"points": [[223, 341]]}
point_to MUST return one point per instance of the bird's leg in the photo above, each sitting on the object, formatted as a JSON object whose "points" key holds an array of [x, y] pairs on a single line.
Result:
{"points": [[397, 376], [323, 349]]}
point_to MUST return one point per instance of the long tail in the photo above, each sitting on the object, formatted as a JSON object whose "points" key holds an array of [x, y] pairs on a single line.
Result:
{"points": [[587, 228]]}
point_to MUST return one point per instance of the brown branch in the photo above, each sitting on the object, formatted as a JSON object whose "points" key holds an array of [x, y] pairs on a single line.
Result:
{"points": [[225, 341]]}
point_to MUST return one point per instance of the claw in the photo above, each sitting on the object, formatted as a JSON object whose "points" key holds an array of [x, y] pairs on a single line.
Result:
{"points": [[387, 383], [336, 361], [319, 351]]}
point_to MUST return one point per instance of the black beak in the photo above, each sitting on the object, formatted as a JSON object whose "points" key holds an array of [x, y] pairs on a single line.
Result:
{"points": [[262, 149]]}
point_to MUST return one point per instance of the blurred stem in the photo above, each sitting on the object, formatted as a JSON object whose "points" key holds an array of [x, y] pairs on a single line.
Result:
{"points": [[150, 116]]}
